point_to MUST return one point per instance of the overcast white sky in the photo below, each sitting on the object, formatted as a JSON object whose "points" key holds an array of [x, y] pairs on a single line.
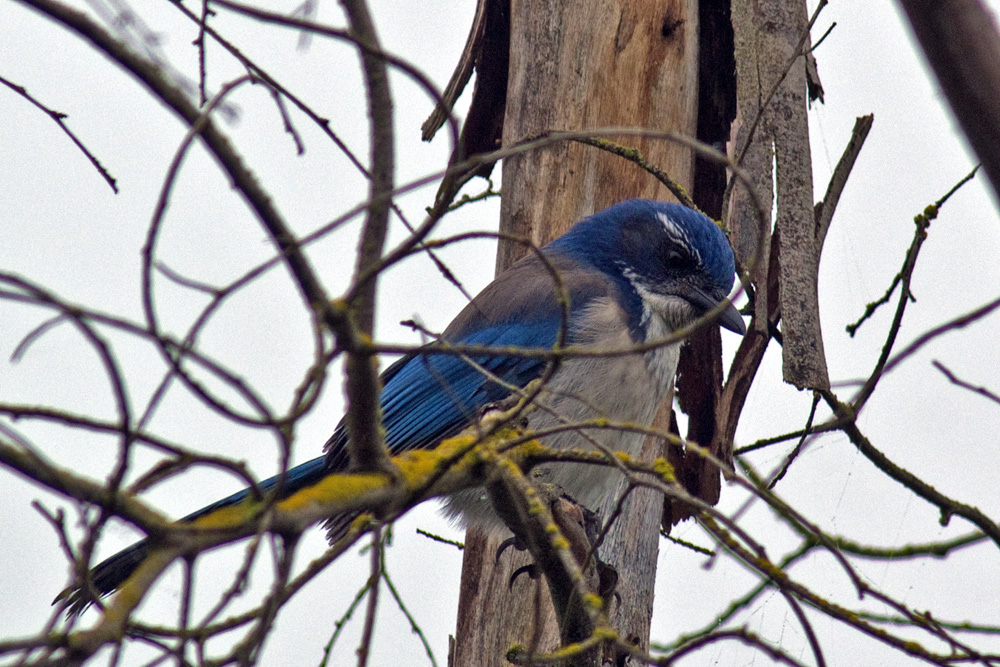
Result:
{"points": [[62, 227]]}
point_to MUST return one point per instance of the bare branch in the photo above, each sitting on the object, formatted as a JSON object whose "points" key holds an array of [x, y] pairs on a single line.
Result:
{"points": [[826, 208], [954, 379], [366, 443], [60, 119], [922, 222], [948, 506]]}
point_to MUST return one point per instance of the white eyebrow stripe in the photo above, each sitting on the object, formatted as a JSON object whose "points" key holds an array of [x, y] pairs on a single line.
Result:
{"points": [[678, 233]]}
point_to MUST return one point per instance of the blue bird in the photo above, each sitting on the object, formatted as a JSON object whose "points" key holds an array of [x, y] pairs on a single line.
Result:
{"points": [[634, 273]]}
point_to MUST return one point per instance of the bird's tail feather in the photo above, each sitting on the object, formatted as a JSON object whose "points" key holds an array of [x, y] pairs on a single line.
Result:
{"points": [[112, 572]]}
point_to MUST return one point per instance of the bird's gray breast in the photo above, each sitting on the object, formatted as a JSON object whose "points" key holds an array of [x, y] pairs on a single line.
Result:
{"points": [[598, 395]]}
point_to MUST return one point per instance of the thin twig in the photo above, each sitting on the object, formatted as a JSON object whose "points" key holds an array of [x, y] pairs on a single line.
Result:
{"points": [[414, 626], [798, 447], [374, 579], [635, 156], [443, 540], [922, 222], [827, 207], [947, 506], [286, 120], [954, 379], [200, 43], [59, 117]]}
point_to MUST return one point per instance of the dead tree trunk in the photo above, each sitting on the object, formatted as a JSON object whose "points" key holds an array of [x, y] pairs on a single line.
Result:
{"points": [[574, 66]]}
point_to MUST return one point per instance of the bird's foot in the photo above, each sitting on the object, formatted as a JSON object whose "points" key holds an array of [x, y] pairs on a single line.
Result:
{"points": [[512, 541], [531, 569]]}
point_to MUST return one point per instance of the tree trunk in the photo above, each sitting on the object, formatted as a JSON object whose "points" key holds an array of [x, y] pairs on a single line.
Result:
{"points": [[583, 65]]}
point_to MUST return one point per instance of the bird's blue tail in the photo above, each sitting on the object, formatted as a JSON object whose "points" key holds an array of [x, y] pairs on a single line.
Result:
{"points": [[112, 572]]}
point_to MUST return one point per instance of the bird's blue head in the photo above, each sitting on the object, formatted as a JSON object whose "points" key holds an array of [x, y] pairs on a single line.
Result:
{"points": [[676, 260]]}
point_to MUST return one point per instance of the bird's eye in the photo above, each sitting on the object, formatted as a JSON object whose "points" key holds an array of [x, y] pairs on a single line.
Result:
{"points": [[676, 257]]}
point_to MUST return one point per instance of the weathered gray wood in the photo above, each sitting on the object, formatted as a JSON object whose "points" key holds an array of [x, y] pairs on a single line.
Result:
{"points": [[750, 228], [802, 354], [769, 38]]}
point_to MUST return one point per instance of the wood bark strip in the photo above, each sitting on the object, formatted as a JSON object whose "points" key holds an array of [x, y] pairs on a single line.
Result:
{"points": [[774, 131]]}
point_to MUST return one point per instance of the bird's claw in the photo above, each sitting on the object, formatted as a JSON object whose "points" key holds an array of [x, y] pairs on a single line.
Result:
{"points": [[531, 570], [511, 541]]}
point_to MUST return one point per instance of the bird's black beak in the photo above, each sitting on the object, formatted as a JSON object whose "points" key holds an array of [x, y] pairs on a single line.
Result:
{"points": [[730, 318]]}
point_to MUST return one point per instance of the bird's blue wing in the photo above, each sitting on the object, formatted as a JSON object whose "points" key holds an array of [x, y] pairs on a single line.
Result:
{"points": [[431, 396], [436, 395]]}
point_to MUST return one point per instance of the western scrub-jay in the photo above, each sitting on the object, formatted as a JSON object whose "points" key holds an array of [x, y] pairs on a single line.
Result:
{"points": [[633, 273]]}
